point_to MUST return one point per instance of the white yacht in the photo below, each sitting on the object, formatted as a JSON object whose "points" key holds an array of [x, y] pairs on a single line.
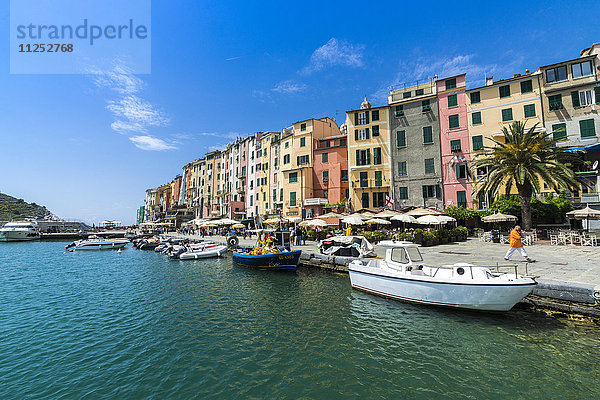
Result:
{"points": [[96, 243], [19, 230], [404, 276]]}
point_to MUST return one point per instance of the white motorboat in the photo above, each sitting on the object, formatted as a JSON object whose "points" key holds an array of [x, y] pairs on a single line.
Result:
{"points": [[96, 243], [403, 276], [205, 250], [19, 230]]}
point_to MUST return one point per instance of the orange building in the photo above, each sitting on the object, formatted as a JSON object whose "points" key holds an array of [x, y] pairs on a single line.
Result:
{"points": [[330, 172]]}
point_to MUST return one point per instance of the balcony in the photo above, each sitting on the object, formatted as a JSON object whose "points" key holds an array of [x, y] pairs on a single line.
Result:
{"points": [[315, 201]]}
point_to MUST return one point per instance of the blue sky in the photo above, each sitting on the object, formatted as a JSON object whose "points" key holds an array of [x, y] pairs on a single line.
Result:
{"points": [[87, 146]]}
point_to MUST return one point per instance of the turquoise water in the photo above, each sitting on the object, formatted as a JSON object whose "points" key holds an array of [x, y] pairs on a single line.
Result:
{"points": [[137, 325]]}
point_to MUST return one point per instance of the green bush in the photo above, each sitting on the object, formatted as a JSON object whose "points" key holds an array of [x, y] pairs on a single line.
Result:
{"points": [[429, 236]]}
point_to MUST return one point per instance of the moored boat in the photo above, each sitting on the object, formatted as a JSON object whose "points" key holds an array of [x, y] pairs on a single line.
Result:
{"points": [[19, 230], [403, 276], [96, 243], [208, 250], [280, 261]]}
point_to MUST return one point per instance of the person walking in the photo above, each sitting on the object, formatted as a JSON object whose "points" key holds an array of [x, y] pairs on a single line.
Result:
{"points": [[516, 244]]}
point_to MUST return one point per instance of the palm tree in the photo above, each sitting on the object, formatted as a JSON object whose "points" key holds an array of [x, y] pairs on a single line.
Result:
{"points": [[525, 159]]}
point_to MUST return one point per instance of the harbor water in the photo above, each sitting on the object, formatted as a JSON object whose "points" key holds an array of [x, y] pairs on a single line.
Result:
{"points": [[137, 325]]}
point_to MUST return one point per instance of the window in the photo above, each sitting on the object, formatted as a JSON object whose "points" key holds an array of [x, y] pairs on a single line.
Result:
{"points": [[281, 194], [326, 194], [343, 142], [274, 195], [292, 199], [365, 200], [476, 118], [378, 199], [361, 134], [427, 134], [556, 74], [325, 176], [364, 180], [403, 192], [401, 139], [555, 102], [587, 128], [453, 121], [275, 160], [402, 168], [507, 114], [378, 178], [286, 159], [301, 160], [375, 130], [266, 166], [344, 175], [406, 95], [264, 196], [461, 171], [529, 110], [475, 97], [251, 201], [362, 118], [377, 156], [302, 142], [293, 177], [581, 69], [526, 86], [430, 191], [582, 98], [429, 166], [325, 158], [452, 100], [287, 144], [597, 89], [461, 198], [363, 157], [451, 83], [302, 127], [419, 92], [559, 131], [477, 142], [425, 105], [455, 145], [375, 116], [504, 91], [399, 111]]}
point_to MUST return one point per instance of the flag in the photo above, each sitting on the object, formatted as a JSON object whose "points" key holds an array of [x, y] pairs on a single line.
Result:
{"points": [[389, 201]]}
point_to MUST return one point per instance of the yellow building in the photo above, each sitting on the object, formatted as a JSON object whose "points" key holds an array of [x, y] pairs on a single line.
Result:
{"points": [[496, 105], [262, 164], [369, 155], [296, 149]]}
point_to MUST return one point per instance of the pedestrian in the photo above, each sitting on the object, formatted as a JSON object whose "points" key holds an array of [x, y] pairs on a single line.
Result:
{"points": [[516, 244], [298, 236], [304, 235]]}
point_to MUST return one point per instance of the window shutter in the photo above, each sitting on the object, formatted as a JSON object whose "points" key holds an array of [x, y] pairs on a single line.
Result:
{"points": [[356, 134], [356, 119], [357, 157], [297, 160], [367, 116], [367, 132], [438, 192], [424, 191], [368, 156], [597, 89], [575, 98]]}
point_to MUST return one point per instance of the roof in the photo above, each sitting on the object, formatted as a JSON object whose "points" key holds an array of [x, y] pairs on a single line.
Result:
{"points": [[568, 61]]}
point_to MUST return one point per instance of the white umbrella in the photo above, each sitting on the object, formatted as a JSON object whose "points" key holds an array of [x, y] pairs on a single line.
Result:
{"points": [[446, 218], [225, 221], [353, 220], [586, 213], [419, 212], [405, 218], [274, 220], [387, 214], [499, 217], [429, 220], [292, 219], [378, 221], [367, 214], [314, 222], [331, 215]]}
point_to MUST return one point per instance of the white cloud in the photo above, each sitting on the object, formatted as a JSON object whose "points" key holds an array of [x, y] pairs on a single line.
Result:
{"points": [[150, 143], [335, 53], [219, 147], [289, 87], [120, 79], [127, 127], [137, 111]]}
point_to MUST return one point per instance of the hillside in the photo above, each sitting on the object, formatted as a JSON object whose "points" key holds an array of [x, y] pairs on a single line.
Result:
{"points": [[11, 207]]}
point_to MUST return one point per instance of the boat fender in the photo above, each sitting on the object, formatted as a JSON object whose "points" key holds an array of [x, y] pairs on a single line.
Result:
{"points": [[460, 270], [233, 241]]}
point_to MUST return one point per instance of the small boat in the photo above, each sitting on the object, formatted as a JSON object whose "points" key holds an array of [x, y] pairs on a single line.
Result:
{"points": [[280, 261], [19, 230], [208, 250], [96, 243], [403, 276]]}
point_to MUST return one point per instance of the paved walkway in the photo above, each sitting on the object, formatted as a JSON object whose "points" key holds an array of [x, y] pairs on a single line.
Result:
{"points": [[562, 263]]}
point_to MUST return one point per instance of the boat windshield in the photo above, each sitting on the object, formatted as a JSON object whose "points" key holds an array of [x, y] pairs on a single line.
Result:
{"points": [[414, 254]]}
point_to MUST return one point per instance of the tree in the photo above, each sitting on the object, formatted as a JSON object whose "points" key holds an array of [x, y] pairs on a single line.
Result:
{"points": [[526, 159]]}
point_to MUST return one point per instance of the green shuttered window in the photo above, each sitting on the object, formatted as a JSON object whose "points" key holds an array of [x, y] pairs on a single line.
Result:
{"points": [[526, 86], [476, 118], [507, 114], [559, 131], [453, 121], [477, 142], [529, 110], [452, 100], [475, 97], [504, 91], [587, 128], [427, 134], [401, 139], [429, 166]]}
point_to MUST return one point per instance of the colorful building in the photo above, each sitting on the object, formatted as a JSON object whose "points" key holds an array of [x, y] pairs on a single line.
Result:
{"points": [[330, 171]]}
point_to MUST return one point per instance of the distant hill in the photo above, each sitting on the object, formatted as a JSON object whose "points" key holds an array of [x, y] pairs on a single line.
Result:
{"points": [[11, 207]]}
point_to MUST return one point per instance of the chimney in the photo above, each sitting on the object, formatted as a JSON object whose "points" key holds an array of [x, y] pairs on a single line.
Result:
{"points": [[489, 81], [527, 71], [516, 75]]}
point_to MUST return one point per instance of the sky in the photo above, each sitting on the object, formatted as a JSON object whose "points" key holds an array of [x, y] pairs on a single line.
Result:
{"points": [[87, 146]]}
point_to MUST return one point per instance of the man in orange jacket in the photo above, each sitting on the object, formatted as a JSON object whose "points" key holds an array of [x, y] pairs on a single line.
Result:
{"points": [[516, 244]]}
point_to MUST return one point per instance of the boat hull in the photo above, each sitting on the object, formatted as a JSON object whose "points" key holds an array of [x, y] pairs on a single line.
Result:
{"points": [[208, 253], [285, 261], [18, 236], [488, 297], [101, 246]]}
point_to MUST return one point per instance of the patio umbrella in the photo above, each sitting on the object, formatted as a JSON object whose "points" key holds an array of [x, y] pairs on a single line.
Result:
{"points": [[367, 214], [331, 215], [419, 212], [353, 220], [499, 217], [238, 226], [429, 220], [387, 214], [446, 218], [292, 219], [407, 219], [274, 220], [225, 221], [378, 221], [586, 213], [315, 222]]}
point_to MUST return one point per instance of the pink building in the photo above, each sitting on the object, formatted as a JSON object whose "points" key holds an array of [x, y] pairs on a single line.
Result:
{"points": [[454, 142], [330, 171]]}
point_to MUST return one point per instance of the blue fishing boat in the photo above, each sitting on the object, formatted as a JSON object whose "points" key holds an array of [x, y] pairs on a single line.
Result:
{"points": [[283, 261]]}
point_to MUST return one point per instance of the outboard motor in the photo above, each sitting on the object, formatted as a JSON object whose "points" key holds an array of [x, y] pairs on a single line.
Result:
{"points": [[178, 252], [69, 246]]}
